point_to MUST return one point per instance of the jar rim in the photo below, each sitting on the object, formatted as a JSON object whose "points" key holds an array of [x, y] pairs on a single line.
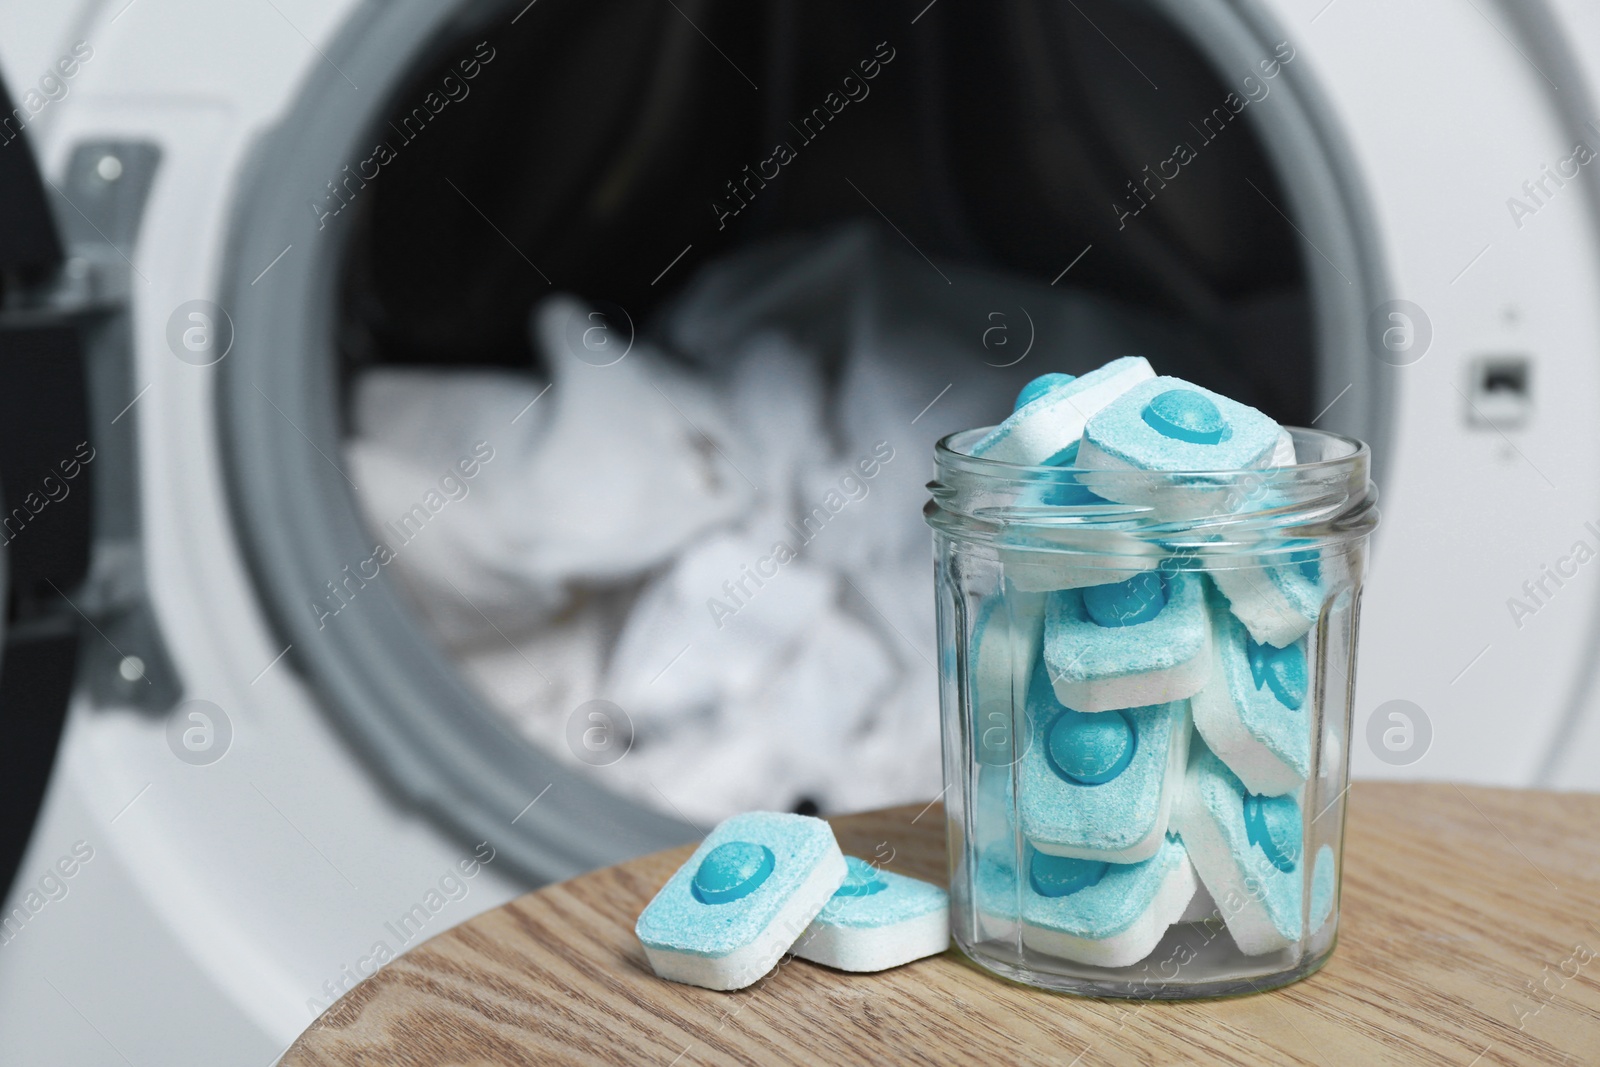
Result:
{"points": [[1359, 453], [1264, 511]]}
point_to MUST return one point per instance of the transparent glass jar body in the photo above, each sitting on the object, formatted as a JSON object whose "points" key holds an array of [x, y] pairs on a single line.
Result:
{"points": [[1145, 783]]}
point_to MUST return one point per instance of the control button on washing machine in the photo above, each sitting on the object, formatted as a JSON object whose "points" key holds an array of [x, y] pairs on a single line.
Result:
{"points": [[1500, 393]]}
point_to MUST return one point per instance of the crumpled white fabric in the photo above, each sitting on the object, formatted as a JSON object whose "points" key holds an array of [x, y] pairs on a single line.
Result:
{"points": [[628, 499], [609, 473]]}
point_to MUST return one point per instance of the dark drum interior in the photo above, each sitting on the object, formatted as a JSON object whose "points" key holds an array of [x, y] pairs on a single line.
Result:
{"points": [[600, 140]]}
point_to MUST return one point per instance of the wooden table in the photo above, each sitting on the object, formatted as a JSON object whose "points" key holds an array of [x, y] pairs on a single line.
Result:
{"points": [[1470, 918]]}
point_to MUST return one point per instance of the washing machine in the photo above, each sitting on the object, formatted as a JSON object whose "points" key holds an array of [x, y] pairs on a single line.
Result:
{"points": [[223, 811]]}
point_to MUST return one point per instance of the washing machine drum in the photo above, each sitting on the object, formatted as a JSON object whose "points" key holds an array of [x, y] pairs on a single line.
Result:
{"points": [[753, 251]]}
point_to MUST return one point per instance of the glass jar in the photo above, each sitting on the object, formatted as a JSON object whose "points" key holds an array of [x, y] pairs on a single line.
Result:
{"points": [[1145, 688]]}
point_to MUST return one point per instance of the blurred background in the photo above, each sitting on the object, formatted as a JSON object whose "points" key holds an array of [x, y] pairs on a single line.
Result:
{"points": [[448, 446]]}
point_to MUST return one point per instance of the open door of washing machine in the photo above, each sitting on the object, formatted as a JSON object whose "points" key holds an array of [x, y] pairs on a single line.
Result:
{"points": [[45, 526]]}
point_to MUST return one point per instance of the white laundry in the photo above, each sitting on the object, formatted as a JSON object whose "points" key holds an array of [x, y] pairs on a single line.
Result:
{"points": [[538, 673], [610, 474], [628, 469], [623, 542], [676, 658], [705, 770], [776, 403], [827, 695], [433, 416], [413, 429], [796, 732]]}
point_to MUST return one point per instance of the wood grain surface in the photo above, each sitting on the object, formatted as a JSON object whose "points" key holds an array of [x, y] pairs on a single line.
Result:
{"points": [[1470, 936]]}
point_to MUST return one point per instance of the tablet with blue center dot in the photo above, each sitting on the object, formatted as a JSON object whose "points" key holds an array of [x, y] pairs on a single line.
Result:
{"points": [[876, 920], [1254, 713], [1167, 424], [1129, 644], [726, 917], [1246, 849], [1099, 786], [1089, 911]]}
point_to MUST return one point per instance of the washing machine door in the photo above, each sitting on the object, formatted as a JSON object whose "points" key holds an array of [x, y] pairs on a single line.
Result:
{"points": [[45, 502]]}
